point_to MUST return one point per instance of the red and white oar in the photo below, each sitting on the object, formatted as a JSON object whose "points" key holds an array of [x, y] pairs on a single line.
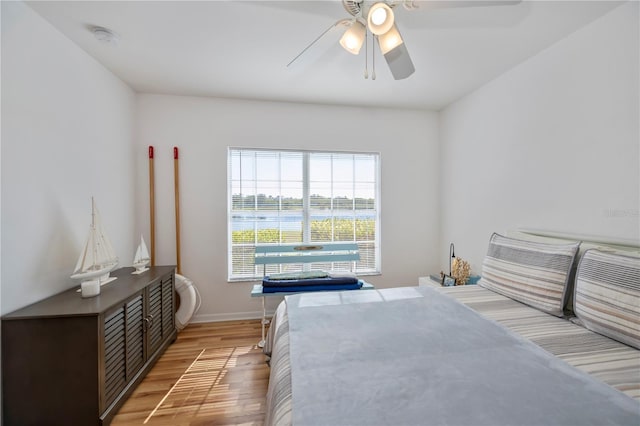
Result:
{"points": [[152, 203], [188, 295], [176, 187]]}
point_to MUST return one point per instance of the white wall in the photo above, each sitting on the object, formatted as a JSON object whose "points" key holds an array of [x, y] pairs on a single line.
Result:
{"points": [[203, 128], [67, 127], [552, 143]]}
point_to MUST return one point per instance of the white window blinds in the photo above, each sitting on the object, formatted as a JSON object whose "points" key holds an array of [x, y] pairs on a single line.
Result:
{"points": [[281, 197]]}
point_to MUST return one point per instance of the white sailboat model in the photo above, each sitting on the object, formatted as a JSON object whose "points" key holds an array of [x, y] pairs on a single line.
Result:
{"points": [[141, 258], [98, 257]]}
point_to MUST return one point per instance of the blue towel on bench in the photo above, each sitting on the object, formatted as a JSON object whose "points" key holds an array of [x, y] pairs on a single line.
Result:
{"points": [[326, 281], [311, 287]]}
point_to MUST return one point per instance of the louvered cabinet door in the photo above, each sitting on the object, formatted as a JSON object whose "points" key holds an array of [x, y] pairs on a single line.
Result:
{"points": [[115, 366], [124, 347], [168, 312], [135, 336], [154, 316]]}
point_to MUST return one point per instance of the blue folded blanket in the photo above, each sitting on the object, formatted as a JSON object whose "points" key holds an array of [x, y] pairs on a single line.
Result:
{"points": [[311, 287], [326, 281]]}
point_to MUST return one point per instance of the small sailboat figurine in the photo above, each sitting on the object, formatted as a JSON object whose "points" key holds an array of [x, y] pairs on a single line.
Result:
{"points": [[97, 258], [142, 258]]}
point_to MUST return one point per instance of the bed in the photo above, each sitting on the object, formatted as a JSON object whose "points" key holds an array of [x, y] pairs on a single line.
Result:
{"points": [[551, 335]]}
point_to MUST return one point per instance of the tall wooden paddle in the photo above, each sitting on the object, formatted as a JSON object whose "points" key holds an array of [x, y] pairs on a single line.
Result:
{"points": [[184, 286], [177, 202], [152, 203]]}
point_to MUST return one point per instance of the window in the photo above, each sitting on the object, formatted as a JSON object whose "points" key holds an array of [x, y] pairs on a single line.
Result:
{"points": [[286, 197]]}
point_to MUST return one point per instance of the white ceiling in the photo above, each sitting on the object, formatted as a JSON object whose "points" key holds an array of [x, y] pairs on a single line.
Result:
{"points": [[240, 49]]}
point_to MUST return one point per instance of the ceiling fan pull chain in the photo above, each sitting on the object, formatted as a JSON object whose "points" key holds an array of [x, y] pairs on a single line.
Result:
{"points": [[373, 58], [366, 55]]}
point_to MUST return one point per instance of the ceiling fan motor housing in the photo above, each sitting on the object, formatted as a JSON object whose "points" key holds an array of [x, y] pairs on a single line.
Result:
{"points": [[352, 7]]}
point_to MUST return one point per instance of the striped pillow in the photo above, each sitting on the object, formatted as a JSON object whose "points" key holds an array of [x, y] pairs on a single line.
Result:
{"points": [[536, 274], [607, 295]]}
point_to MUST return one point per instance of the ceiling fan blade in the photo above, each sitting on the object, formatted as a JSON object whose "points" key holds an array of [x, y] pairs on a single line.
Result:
{"points": [[399, 62], [341, 22], [444, 4]]}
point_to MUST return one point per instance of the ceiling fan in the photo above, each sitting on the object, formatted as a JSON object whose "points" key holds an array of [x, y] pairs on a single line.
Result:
{"points": [[377, 17]]}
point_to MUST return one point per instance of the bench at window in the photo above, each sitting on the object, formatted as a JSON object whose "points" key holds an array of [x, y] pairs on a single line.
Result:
{"points": [[307, 255]]}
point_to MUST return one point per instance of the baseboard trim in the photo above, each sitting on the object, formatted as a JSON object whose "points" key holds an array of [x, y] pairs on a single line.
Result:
{"points": [[236, 316]]}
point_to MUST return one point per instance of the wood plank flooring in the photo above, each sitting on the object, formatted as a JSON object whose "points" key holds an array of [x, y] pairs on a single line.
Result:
{"points": [[214, 374]]}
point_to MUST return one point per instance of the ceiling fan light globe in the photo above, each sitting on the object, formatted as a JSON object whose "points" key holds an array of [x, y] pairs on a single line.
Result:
{"points": [[380, 18], [353, 38], [390, 40], [350, 43]]}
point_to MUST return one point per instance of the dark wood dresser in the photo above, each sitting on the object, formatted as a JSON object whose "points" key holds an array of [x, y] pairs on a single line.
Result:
{"points": [[73, 361]]}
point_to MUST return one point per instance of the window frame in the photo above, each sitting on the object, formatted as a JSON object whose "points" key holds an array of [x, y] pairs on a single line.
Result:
{"points": [[306, 209]]}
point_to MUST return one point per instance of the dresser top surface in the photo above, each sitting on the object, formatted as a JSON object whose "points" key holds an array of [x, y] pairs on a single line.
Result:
{"points": [[71, 303]]}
